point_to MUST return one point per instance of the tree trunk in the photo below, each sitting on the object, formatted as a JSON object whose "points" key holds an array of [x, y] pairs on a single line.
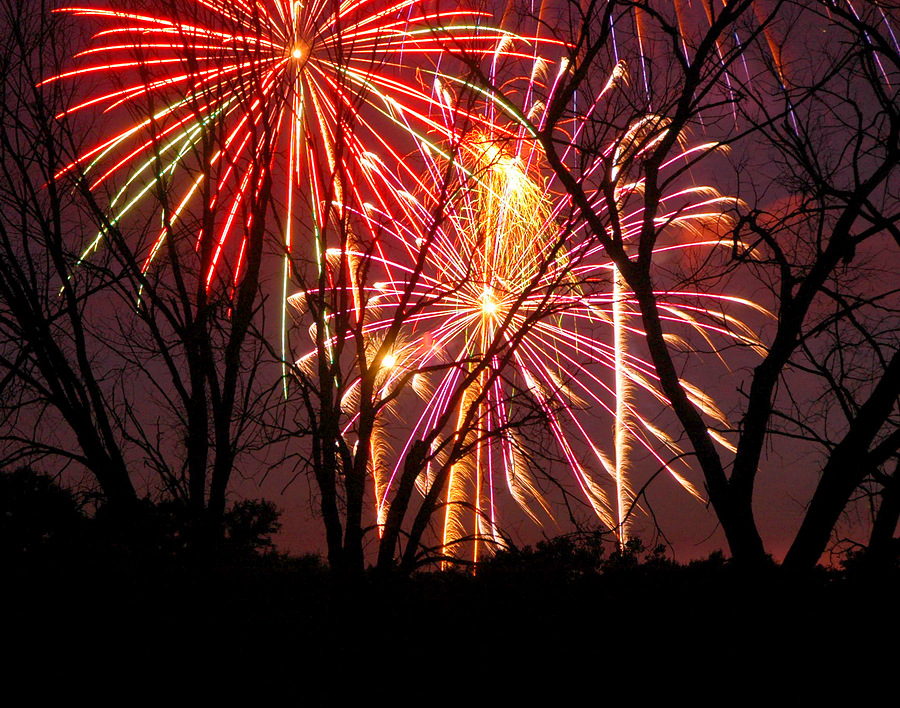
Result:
{"points": [[845, 470], [883, 547]]}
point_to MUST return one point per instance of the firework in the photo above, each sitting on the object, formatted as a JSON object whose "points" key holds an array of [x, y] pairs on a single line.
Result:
{"points": [[512, 314], [236, 115]]}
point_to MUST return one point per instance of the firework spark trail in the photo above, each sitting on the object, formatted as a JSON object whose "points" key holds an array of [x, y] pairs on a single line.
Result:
{"points": [[623, 404], [689, 22], [501, 297], [298, 93]]}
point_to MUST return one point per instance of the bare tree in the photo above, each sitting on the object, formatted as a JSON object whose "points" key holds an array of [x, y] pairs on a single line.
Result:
{"points": [[841, 151], [361, 365], [199, 298], [366, 360], [52, 370], [832, 126], [534, 265], [145, 339]]}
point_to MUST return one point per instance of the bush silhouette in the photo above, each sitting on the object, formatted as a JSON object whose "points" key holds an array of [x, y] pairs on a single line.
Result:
{"points": [[36, 514]]}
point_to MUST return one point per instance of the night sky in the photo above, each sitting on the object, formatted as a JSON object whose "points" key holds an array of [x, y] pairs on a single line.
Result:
{"points": [[229, 160]]}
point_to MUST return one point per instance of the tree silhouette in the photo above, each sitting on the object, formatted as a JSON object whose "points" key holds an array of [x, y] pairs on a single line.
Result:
{"points": [[831, 126], [149, 368], [36, 515], [51, 372]]}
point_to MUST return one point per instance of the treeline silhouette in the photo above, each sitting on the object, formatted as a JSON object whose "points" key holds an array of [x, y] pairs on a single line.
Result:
{"points": [[75, 577], [42, 520]]}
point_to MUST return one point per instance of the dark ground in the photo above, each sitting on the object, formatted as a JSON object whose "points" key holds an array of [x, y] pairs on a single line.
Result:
{"points": [[519, 619], [93, 606]]}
